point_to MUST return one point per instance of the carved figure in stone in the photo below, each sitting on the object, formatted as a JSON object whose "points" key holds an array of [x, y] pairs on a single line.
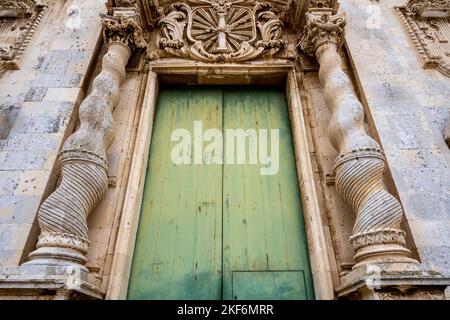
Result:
{"points": [[359, 168], [220, 31]]}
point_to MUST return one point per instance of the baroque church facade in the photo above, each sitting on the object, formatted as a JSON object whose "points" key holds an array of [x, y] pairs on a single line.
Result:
{"points": [[350, 201]]}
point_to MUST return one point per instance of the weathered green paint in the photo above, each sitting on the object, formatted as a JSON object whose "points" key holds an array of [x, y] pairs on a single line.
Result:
{"points": [[178, 252], [206, 229], [263, 224], [265, 285]]}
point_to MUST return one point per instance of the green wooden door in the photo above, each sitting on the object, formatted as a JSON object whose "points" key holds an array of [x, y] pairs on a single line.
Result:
{"points": [[220, 231]]}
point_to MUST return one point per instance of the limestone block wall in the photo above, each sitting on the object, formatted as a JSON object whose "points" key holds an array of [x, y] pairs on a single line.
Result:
{"points": [[409, 106], [38, 104]]}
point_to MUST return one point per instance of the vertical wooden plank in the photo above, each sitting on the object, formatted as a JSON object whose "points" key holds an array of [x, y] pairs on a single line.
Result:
{"points": [[263, 223], [178, 246]]}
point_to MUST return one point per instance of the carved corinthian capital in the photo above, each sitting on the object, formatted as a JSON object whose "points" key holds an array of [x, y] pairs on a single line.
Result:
{"points": [[321, 29], [359, 168], [84, 168]]}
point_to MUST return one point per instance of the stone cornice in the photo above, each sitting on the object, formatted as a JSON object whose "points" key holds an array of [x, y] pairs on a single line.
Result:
{"points": [[429, 8]]}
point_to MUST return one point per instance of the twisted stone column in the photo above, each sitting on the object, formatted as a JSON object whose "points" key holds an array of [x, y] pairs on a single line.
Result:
{"points": [[84, 168], [359, 168]]}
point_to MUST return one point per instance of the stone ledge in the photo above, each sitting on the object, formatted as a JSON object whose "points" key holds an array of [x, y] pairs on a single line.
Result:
{"points": [[393, 281], [47, 283]]}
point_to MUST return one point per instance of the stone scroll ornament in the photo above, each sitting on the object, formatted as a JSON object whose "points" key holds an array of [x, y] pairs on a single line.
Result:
{"points": [[359, 168], [84, 168], [219, 31]]}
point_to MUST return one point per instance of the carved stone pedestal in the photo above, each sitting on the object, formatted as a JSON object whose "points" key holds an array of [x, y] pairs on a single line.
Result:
{"points": [[393, 281], [46, 283]]}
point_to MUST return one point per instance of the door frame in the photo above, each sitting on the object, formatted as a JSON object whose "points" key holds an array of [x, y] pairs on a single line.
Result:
{"points": [[223, 74]]}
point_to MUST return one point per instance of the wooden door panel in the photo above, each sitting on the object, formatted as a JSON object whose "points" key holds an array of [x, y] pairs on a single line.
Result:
{"points": [[263, 223], [206, 231], [178, 252], [269, 285]]}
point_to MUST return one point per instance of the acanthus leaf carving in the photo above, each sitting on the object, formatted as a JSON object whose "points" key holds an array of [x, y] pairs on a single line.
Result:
{"points": [[123, 28], [63, 215], [220, 31], [323, 5]]}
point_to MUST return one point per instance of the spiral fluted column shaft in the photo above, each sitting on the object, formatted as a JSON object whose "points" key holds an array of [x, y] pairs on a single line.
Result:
{"points": [[84, 169], [359, 168]]}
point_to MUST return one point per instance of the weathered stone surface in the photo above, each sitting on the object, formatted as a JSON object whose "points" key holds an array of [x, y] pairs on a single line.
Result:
{"points": [[34, 123], [389, 102], [409, 121], [46, 283]]}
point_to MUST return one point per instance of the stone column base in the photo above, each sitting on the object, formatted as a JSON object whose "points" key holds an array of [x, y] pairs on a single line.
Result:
{"points": [[38, 282], [393, 281]]}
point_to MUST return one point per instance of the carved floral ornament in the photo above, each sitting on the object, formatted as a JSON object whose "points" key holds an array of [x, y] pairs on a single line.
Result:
{"points": [[219, 31]]}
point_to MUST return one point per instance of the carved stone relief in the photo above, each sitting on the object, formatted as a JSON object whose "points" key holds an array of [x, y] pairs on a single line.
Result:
{"points": [[333, 5], [219, 31], [18, 23], [428, 25]]}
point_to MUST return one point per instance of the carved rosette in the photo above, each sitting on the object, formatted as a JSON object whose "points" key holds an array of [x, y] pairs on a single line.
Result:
{"points": [[84, 168], [219, 31], [359, 168]]}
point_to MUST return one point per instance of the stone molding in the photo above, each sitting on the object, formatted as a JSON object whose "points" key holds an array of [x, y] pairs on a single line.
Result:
{"points": [[61, 239], [84, 168], [429, 33], [429, 8], [19, 21], [360, 166], [324, 5], [384, 236], [17, 8], [428, 26], [219, 31]]}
